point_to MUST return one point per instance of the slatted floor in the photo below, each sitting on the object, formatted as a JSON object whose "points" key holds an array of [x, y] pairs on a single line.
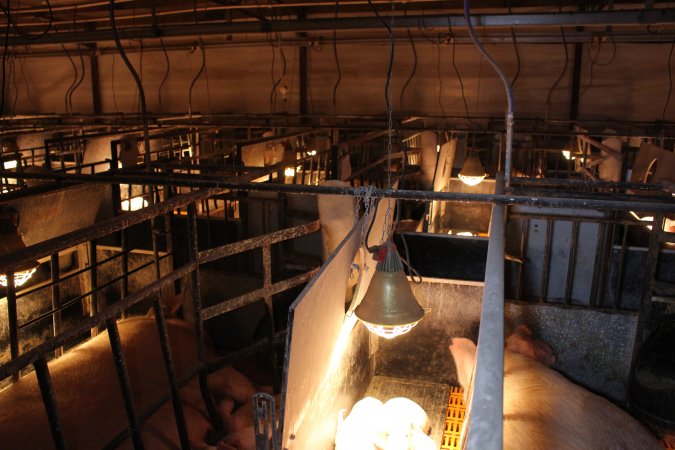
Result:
{"points": [[454, 418]]}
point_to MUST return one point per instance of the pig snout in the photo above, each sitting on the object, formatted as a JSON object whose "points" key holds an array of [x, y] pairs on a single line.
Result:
{"points": [[521, 341]]}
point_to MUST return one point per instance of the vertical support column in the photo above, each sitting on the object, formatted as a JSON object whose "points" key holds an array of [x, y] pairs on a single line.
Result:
{"points": [[115, 188], [94, 306], [95, 79], [193, 253], [47, 391], [13, 322], [56, 300]]}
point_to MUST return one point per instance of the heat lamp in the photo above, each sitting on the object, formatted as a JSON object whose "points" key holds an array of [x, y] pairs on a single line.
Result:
{"points": [[11, 241], [472, 172], [389, 307]]}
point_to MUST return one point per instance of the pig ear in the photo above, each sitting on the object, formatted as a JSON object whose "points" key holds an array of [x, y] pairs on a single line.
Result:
{"points": [[523, 329], [464, 353]]}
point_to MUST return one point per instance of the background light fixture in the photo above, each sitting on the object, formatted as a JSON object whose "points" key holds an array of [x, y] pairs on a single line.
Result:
{"points": [[472, 172], [389, 307], [11, 241]]}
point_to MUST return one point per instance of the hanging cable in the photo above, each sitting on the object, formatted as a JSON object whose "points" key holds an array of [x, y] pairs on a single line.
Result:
{"points": [[515, 48], [507, 87], [560, 77], [277, 82], [670, 81], [595, 62], [337, 63], [166, 75], [440, 80], [137, 79], [414, 69], [4, 63], [206, 76], [67, 99], [194, 80], [10, 21]]}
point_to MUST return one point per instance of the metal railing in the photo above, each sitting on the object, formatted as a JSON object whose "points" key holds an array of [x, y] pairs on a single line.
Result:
{"points": [[104, 316]]}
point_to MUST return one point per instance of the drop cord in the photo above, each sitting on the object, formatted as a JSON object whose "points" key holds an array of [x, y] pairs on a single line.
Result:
{"points": [[670, 82], [507, 87], [560, 77], [139, 84], [412, 74]]}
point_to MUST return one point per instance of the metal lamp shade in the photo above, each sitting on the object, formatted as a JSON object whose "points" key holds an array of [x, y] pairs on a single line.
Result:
{"points": [[389, 301], [12, 242], [472, 172]]}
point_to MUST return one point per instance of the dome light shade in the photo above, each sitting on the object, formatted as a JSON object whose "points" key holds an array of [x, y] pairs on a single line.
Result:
{"points": [[389, 307], [11, 241], [472, 172]]}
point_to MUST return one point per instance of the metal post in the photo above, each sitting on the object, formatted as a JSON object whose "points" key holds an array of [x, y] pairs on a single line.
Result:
{"points": [[13, 322], [47, 391], [56, 300], [485, 424], [125, 387], [193, 252]]}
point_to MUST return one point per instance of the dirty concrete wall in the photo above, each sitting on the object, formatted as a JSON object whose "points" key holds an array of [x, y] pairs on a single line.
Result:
{"points": [[592, 348], [631, 86]]}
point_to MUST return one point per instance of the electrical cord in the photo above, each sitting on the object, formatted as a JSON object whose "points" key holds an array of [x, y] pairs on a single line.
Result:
{"points": [[493, 63], [194, 80], [166, 75], [515, 48], [277, 82], [10, 21], [337, 62], [4, 63], [670, 81], [67, 99], [560, 77], [412, 74], [594, 60], [440, 80], [137, 79]]}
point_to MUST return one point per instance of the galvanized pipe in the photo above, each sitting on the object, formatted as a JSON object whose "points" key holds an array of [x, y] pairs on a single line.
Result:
{"points": [[200, 181], [485, 421]]}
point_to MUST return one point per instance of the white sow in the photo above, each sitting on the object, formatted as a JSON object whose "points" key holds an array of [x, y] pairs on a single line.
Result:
{"points": [[543, 410]]}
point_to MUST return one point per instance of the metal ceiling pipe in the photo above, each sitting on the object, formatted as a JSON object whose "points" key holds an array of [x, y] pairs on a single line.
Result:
{"points": [[571, 19], [200, 181]]}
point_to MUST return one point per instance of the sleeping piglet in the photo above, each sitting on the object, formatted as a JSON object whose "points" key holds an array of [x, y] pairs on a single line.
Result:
{"points": [[544, 410]]}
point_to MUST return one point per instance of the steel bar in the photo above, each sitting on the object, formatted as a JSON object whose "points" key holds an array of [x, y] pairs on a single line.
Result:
{"points": [[573, 182], [125, 386], [621, 272], [257, 242], [485, 422], [32, 355], [170, 373], [543, 292], [571, 262], [193, 252], [47, 392], [101, 229], [456, 21], [56, 299], [13, 322], [250, 297], [639, 204]]}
